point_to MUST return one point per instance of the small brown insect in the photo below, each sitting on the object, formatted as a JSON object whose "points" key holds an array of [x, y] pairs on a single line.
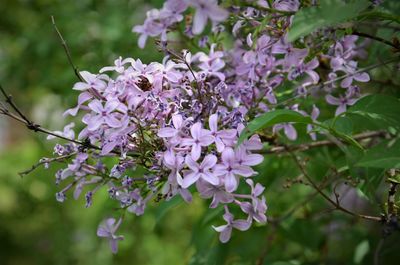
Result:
{"points": [[144, 84]]}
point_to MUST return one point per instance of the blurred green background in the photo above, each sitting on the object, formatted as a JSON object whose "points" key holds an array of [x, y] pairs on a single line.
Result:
{"points": [[36, 229]]}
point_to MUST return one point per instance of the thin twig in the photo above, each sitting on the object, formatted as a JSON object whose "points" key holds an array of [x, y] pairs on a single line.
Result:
{"points": [[38, 128], [10, 101], [45, 161], [66, 49], [365, 69], [376, 38], [336, 205], [303, 147]]}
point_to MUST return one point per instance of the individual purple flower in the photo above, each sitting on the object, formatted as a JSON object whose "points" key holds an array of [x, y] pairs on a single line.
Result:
{"points": [[107, 230], [118, 138], [104, 114], [206, 9], [200, 171], [75, 168], [212, 68], [226, 230], [175, 163], [82, 98], [292, 55], [308, 69], [256, 190], [173, 9], [256, 209], [169, 132], [68, 132], [200, 137], [342, 102], [288, 129], [353, 74], [118, 65], [92, 81], [151, 27], [230, 170], [216, 192], [247, 159], [140, 203], [286, 5], [222, 136]]}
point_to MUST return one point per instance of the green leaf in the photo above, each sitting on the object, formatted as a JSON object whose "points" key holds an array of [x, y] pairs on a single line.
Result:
{"points": [[329, 13], [385, 155], [271, 118], [165, 207], [382, 108], [362, 249]]}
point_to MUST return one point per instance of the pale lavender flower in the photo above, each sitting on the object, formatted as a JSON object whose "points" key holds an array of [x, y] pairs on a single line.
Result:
{"points": [[200, 171], [175, 163], [342, 102], [82, 98], [169, 132], [308, 69], [288, 129], [107, 230], [68, 132], [351, 70], [286, 5], [247, 159], [206, 9], [216, 192], [230, 170], [200, 137], [92, 81], [221, 137], [118, 65], [226, 230], [104, 114], [256, 209]]}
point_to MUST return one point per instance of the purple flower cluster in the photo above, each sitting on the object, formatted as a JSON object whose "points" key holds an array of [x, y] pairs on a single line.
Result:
{"points": [[159, 22], [179, 121]]}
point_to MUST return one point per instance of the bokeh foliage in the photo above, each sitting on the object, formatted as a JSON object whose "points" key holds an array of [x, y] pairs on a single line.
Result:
{"points": [[35, 229]]}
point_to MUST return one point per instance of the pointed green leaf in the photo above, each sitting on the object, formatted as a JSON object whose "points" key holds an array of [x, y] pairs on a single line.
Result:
{"points": [[329, 13], [271, 118]]}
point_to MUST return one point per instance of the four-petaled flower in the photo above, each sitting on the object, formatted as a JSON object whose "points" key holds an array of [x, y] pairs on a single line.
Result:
{"points": [[230, 170], [226, 230], [200, 137], [104, 114], [107, 229], [221, 137], [206, 9], [200, 171]]}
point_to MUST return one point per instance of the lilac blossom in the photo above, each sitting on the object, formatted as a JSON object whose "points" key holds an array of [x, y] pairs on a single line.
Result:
{"points": [[216, 192], [206, 9], [226, 230], [200, 137], [68, 132], [107, 230], [104, 114], [221, 137], [96, 82], [230, 170], [342, 102], [179, 120], [200, 171]]}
